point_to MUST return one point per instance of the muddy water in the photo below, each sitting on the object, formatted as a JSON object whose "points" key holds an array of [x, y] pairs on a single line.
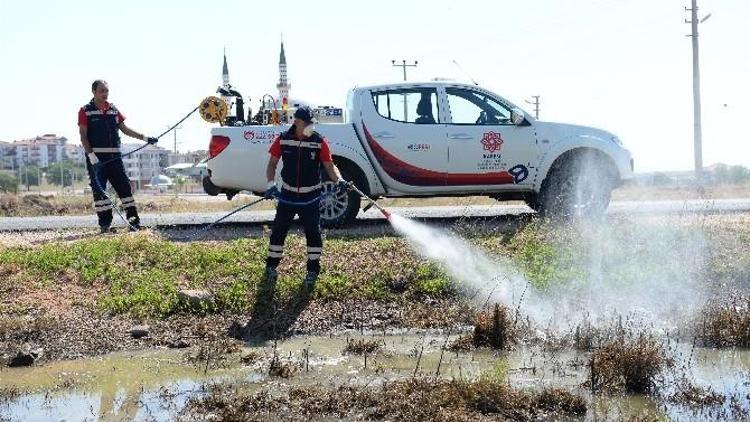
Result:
{"points": [[155, 385]]}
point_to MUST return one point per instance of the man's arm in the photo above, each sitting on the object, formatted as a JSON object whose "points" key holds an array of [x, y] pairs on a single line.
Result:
{"points": [[332, 170], [273, 162], [130, 132], [83, 131]]}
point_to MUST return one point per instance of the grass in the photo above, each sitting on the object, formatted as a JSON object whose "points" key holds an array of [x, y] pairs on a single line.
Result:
{"points": [[362, 346], [418, 399], [141, 274], [495, 328], [28, 204], [726, 322], [34, 205], [628, 364]]}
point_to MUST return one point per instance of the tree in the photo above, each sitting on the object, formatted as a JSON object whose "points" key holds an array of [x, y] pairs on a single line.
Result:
{"points": [[179, 183], [661, 179], [8, 183], [29, 175], [731, 174], [71, 170], [738, 174]]}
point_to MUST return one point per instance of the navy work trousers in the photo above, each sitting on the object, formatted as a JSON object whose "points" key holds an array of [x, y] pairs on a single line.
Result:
{"points": [[310, 217], [114, 173]]}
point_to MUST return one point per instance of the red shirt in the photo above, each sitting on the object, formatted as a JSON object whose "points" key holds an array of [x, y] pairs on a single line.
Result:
{"points": [[83, 119], [325, 150]]}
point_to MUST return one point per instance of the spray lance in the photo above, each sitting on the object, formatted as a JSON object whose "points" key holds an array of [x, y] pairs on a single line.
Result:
{"points": [[373, 203]]}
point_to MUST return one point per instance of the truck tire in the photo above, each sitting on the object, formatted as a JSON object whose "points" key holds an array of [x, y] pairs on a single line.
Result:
{"points": [[339, 208], [577, 187]]}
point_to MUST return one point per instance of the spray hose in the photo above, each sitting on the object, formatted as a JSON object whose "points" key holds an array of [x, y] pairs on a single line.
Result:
{"points": [[281, 200], [248, 205]]}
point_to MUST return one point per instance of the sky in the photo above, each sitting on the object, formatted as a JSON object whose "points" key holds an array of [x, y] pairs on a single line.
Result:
{"points": [[621, 65]]}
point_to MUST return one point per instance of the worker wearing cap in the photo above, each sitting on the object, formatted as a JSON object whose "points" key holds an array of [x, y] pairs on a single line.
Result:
{"points": [[100, 123], [302, 151]]}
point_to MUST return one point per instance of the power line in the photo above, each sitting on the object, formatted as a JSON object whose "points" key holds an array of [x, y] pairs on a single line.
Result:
{"points": [[404, 65], [535, 103]]}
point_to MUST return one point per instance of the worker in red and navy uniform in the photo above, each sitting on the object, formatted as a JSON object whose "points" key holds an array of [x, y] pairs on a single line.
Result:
{"points": [[303, 152], [100, 123]]}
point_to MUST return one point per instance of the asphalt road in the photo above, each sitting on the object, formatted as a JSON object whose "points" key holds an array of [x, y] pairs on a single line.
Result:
{"points": [[674, 207]]}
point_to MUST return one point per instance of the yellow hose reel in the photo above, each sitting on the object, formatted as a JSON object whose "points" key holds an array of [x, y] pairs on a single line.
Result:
{"points": [[213, 109]]}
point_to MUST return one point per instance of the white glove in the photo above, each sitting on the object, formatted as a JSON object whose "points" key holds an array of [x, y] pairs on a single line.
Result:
{"points": [[92, 159]]}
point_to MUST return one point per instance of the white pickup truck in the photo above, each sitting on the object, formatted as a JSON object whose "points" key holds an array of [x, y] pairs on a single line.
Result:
{"points": [[439, 139]]}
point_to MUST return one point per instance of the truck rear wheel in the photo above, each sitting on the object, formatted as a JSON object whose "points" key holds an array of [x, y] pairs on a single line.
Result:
{"points": [[576, 187], [338, 207], [209, 187]]}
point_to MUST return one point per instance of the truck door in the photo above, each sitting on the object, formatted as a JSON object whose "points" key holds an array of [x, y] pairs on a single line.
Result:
{"points": [[404, 135], [484, 146]]}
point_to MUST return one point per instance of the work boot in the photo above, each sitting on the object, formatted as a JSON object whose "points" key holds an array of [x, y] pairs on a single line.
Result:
{"points": [[134, 224], [106, 230], [310, 279], [271, 275]]}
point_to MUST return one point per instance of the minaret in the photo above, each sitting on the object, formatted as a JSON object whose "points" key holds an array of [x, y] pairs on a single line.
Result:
{"points": [[283, 84], [225, 81], [225, 72]]}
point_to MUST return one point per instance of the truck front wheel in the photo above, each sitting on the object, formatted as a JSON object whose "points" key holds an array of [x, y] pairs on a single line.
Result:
{"points": [[577, 187], [338, 207]]}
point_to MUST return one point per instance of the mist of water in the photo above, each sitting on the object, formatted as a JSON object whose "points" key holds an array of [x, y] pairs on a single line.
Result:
{"points": [[483, 277], [649, 272]]}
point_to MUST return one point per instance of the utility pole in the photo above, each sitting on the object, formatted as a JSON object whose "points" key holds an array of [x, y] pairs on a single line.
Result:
{"points": [[697, 130], [404, 65], [62, 178], [535, 103], [175, 138]]}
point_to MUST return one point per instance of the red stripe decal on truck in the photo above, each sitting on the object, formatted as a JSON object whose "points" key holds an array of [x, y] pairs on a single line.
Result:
{"points": [[409, 174]]}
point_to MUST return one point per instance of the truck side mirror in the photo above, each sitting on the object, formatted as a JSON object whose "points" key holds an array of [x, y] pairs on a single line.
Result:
{"points": [[517, 116]]}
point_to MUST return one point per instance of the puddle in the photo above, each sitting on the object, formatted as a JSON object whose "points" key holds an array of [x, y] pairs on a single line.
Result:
{"points": [[155, 385]]}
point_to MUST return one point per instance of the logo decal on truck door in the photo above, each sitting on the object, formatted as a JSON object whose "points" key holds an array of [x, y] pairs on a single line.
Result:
{"points": [[492, 141]]}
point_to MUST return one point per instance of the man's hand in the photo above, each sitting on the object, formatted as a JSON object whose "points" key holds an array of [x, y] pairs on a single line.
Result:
{"points": [[92, 159], [271, 190], [151, 140]]}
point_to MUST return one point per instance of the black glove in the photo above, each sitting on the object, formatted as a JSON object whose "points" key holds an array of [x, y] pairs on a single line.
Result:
{"points": [[151, 140], [271, 191], [342, 185]]}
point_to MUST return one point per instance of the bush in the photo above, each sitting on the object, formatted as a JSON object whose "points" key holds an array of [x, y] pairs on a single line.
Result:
{"points": [[629, 364], [8, 183]]}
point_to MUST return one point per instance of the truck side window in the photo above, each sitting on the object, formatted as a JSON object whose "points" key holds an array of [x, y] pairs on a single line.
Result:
{"points": [[475, 108], [417, 105]]}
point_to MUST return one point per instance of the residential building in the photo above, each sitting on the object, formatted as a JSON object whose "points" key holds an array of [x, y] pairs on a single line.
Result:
{"points": [[191, 157], [145, 164], [41, 151]]}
